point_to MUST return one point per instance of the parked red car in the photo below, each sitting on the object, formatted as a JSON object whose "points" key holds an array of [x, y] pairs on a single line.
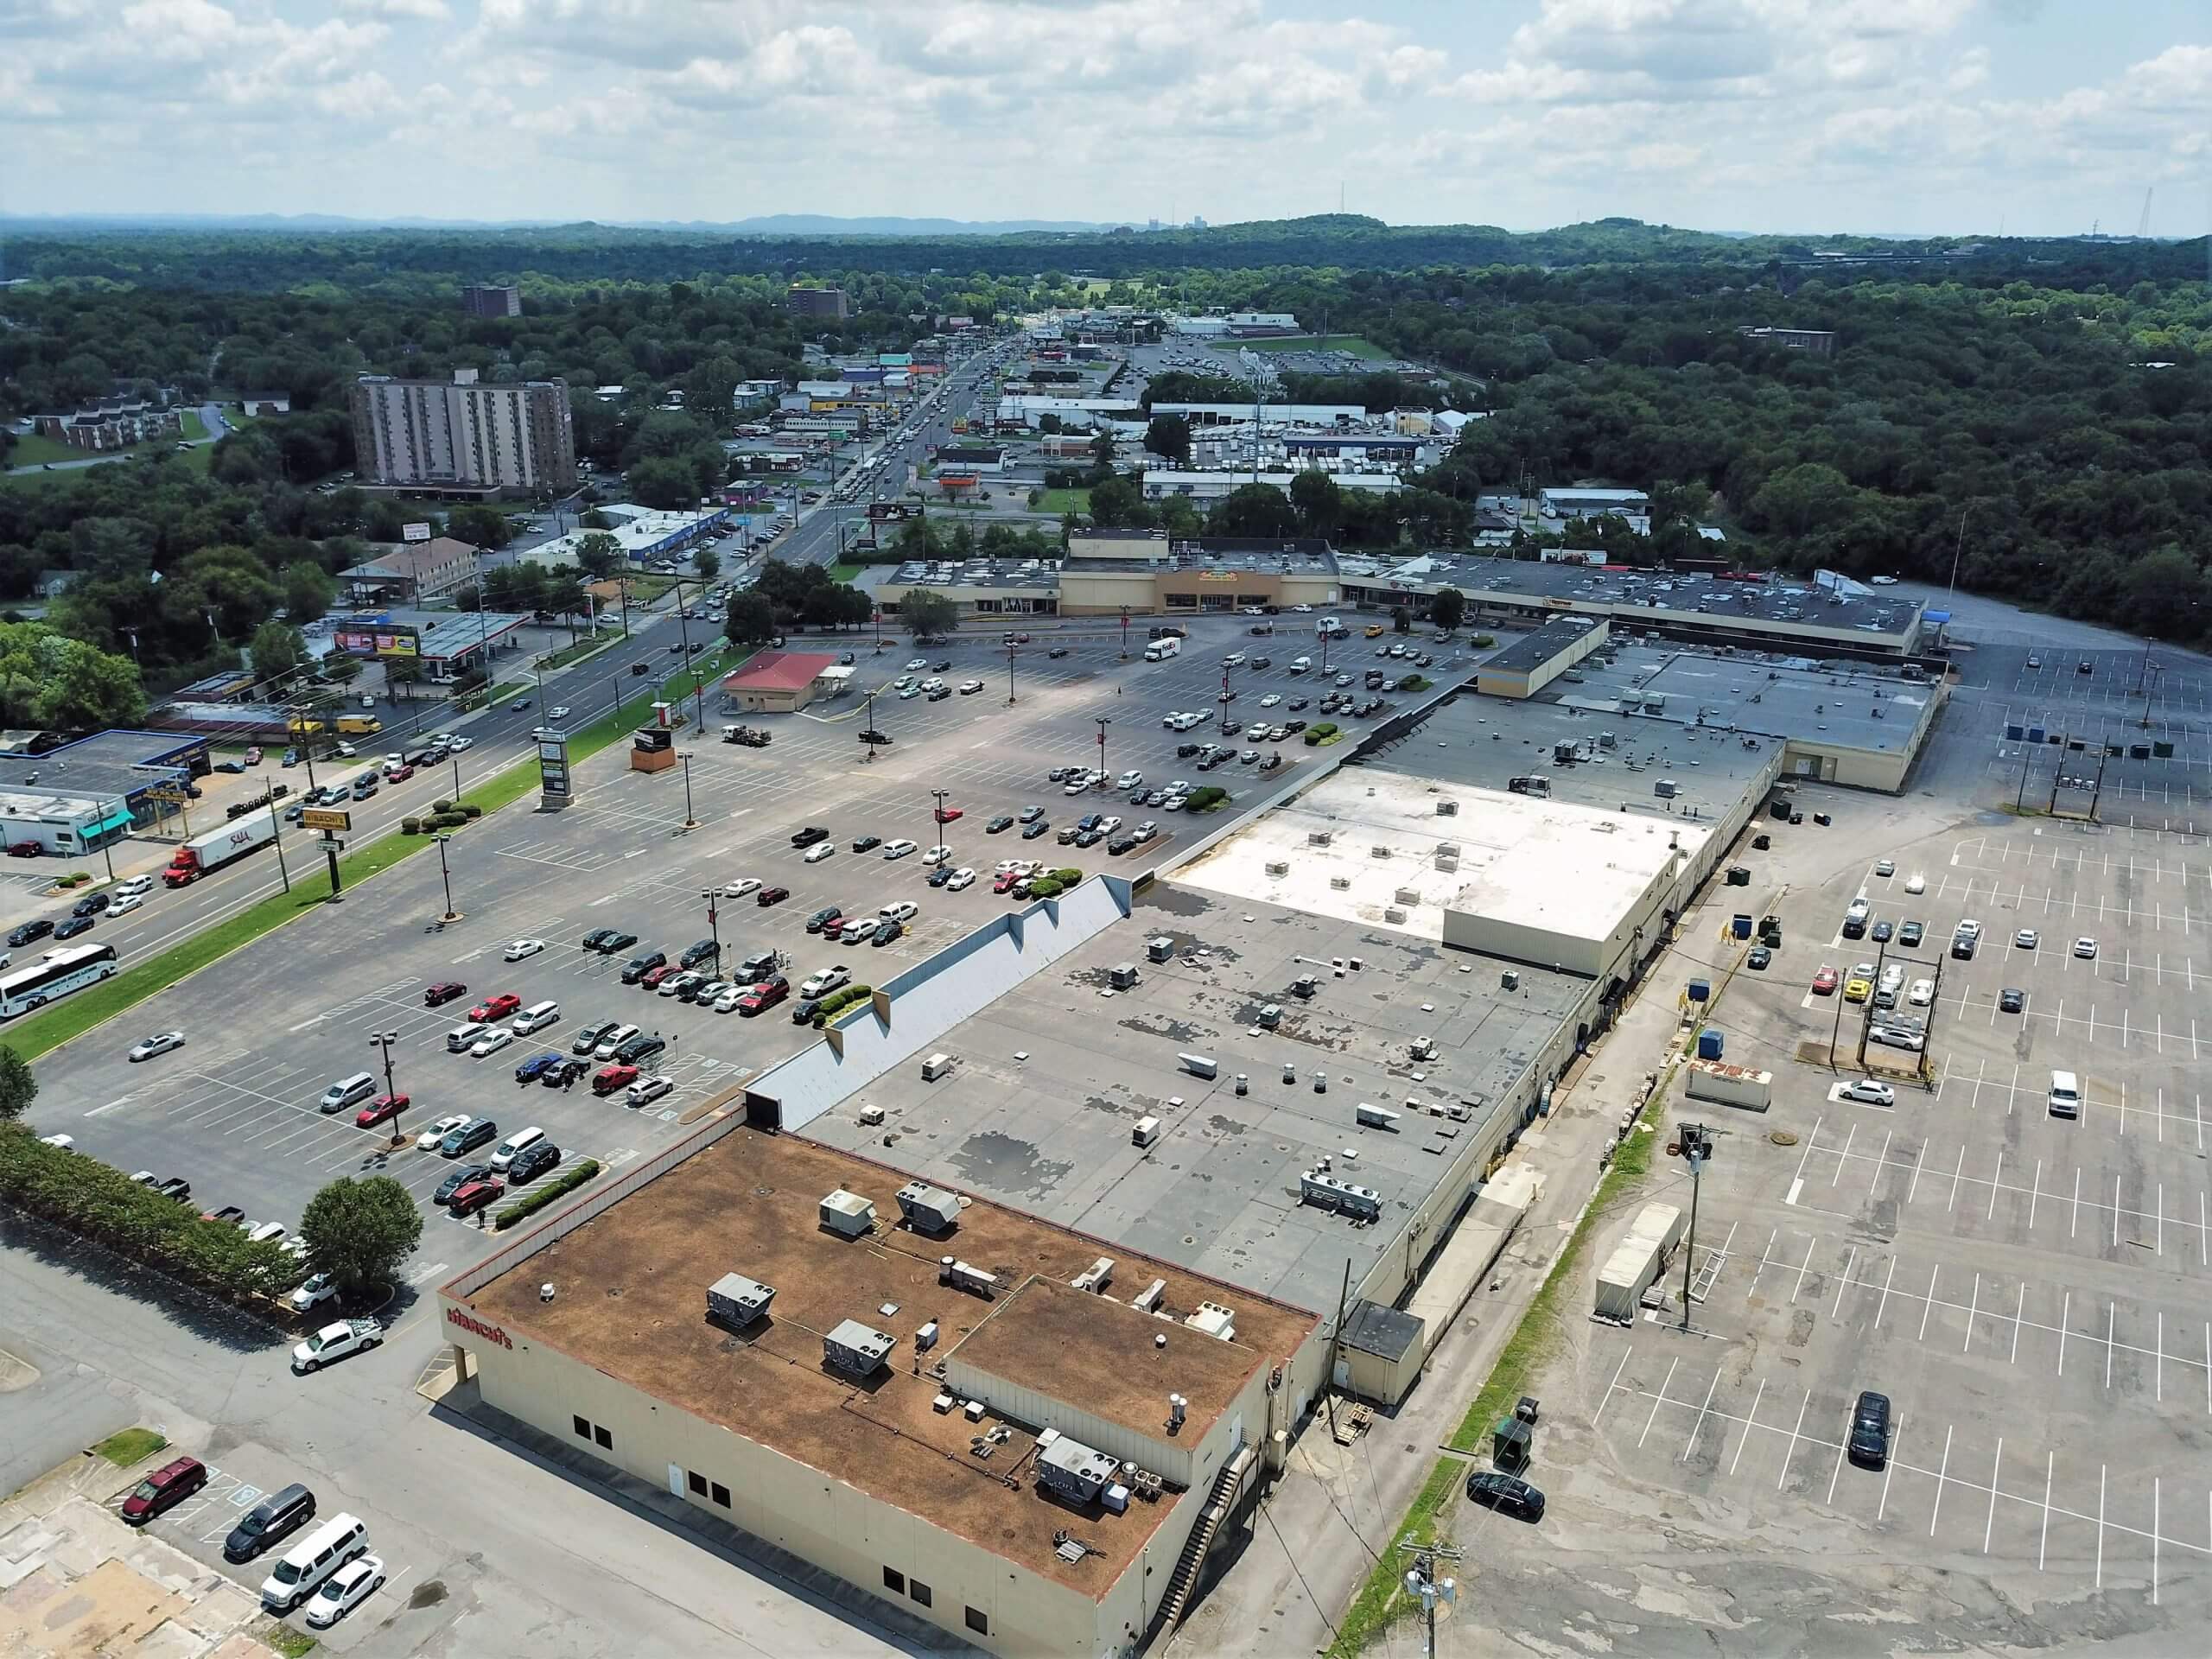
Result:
{"points": [[1005, 883], [472, 1196], [166, 1487], [768, 896], [947, 814], [380, 1109], [443, 992], [612, 1077], [765, 994], [24, 849], [1824, 982], [654, 975], [494, 1007]]}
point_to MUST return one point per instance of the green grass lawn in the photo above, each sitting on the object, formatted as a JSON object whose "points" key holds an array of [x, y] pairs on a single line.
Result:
{"points": [[844, 572], [1356, 344], [32, 450], [194, 428], [1057, 502], [129, 1445]]}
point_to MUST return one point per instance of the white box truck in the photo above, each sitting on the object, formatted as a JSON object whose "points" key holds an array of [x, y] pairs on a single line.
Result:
{"points": [[1161, 649]]}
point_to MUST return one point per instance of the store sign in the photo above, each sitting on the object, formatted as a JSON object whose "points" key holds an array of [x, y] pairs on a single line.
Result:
{"points": [[468, 1321], [323, 817], [378, 642]]}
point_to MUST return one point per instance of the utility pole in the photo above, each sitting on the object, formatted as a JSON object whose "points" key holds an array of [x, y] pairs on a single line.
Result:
{"points": [[690, 818], [1696, 1142], [869, 732], [936, 821], [445, 875], [1010, 652], [1958, 552], [276, 833], [1425, 1587]]}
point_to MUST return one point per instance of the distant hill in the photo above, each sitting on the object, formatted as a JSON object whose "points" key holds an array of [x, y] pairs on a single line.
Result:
{"points": [[828, 225]]}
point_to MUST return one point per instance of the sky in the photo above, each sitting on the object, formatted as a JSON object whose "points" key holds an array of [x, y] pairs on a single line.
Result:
{"points": [[1935, 117]]}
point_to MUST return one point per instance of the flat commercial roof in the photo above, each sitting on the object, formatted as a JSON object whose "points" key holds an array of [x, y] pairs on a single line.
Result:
{"points": [[1054, 1075], [1549, 864], [633, 1284], [1848, 705], [1536, 648], [976, 573], [1774, 602], [101, 767]]}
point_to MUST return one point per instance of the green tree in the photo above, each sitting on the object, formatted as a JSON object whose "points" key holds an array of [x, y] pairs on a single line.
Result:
{"points": [[480, 525], [595, 519], [2168, 595], [308, 591], [277, 650], [668, 482], [928, 616], [18, 1085], [360, 1231], [750, 619], [1401, 619], [1447, 608], [1317, 501], [599, 556], [1253, 510], [708, 563], [47, 679], [1169, 436]]}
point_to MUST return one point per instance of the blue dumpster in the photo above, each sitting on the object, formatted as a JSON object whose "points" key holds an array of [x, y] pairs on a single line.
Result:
{"points": [[1709, 1045], [1741, 926], [1700, 990]]}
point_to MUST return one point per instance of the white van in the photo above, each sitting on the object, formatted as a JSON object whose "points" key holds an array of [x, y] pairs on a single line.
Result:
{"points": [[610, 1040], [311, 1560], [461, 1039], [535, 1017], [2065, 1095], [509, 1149], [347, 1091]]}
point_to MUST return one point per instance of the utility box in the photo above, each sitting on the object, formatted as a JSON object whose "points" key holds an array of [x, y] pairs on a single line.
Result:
{"points": [[848, 1214], [929, 1209], [1122, 975], [936, 1066], [1145, 1133], [1158, 949], [1200, 1065]]}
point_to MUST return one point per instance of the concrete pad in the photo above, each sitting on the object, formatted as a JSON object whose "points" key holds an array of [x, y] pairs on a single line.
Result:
{"points": [[108, 1608]]}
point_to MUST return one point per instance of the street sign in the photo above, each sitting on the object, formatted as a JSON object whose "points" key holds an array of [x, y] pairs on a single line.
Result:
{"points": [[323, 817]]}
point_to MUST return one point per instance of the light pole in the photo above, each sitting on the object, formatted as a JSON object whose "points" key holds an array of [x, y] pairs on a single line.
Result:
{"points": [[690, 820], [1125, 633], [1696, 1142], [868, 733], [385, 1039], [445, 874], [1010, 651], [937, 822], [1104, 720], [714, 924]]}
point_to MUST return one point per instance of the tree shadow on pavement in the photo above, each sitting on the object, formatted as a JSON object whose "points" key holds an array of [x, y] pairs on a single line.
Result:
{"points": [[243, 1330]]}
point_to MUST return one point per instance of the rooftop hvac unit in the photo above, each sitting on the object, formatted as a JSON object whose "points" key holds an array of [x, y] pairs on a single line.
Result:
{"points": [[1319, 837], [1070, 1469], [848, 1214], [1361, 1203], [1096, 1276], [1447, 849], [1148, 1300], [929, 1209], [1213, 1319], [1200, 1065], [1408, 896], [1393, 914], [857, 1350], [1278, 866], [1339, 883], [1664, 788], [1376, 1117], [1447, 809], [736, 1301], [960, 1277]]}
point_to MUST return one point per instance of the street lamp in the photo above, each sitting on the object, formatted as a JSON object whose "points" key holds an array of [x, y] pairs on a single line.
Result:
{"points": [[1125, 633], [1104, 720], [937, 821], [691, 819], [868, 733], [713, 927], [445, 874], [385, 1039], [1010, 651]]}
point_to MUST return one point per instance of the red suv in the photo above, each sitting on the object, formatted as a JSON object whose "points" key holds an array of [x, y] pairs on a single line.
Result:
{"points": [[765, 994], [494, 1007], [383, 1106], [442, 993], [166, 1487], [653, 977], [612, 1077], [472, 1196]]}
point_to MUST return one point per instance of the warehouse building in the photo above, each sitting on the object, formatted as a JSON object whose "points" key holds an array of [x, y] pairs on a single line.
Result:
{"points": [[1002, 1427], [1203, 488]]}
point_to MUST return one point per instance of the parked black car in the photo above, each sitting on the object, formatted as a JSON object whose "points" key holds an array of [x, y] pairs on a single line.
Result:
{"points": [[1506, 1493], [277, 1516], [1870, 1430], [460, 1178], [638, 967]]}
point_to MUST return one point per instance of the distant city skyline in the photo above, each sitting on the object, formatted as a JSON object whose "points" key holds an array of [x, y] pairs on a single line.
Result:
{"points": [[1877, 116]]}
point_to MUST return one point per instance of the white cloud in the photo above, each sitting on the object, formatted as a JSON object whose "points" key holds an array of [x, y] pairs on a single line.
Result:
{"points": [[1733, 113]]}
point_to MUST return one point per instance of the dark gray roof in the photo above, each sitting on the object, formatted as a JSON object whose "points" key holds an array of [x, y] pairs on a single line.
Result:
{"points": [[1383, 1332], [1533, 650]]}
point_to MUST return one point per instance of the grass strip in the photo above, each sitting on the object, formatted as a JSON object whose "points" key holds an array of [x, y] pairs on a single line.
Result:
{"points": [[1381, 1600], [130, 1446]]}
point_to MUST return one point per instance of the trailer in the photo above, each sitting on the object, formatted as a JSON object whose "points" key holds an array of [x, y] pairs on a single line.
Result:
{"points": [[1638, 1261], [213, 848], [1729, 1085]]}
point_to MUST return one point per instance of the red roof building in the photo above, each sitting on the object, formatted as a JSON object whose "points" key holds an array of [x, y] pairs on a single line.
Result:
{"points": [[777, 682]]}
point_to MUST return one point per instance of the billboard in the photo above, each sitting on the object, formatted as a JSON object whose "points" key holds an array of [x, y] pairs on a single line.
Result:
{"points": [[414, 532], [383, 641]]}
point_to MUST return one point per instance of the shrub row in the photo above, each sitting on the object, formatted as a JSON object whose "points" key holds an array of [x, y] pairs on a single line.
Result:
{"points": [[1318, 730], [539, 1197], [1205, 800], [99, 1203], [840, 1000]]}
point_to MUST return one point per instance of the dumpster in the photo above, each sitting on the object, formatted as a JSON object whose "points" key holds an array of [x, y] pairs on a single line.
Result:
{"points": [[1700, 990], [1708, 1044], [1740, 926]]}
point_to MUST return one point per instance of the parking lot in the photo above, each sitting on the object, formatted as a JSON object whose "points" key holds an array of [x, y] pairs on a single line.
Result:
{"points": [[235, 1110], [2029, 1290]]}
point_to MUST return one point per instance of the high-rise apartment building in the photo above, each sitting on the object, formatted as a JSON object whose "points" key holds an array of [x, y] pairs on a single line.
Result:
{"points": [[463, 437], [480, 301], [807, 301]]}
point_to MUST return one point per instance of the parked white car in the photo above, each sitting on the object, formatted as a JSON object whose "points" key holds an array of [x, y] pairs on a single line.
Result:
{"points": [[1923, 992], [1875, 1094], [963, 877], [345, 1590], [820, 850], [160, 1043], [743, 888], [429, 1138], [494, 1038], [937, 855], [521, 948], [898, 848]]}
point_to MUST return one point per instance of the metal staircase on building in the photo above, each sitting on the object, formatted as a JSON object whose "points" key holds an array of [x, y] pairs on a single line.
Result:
{"points": [[1219, 1505]]}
